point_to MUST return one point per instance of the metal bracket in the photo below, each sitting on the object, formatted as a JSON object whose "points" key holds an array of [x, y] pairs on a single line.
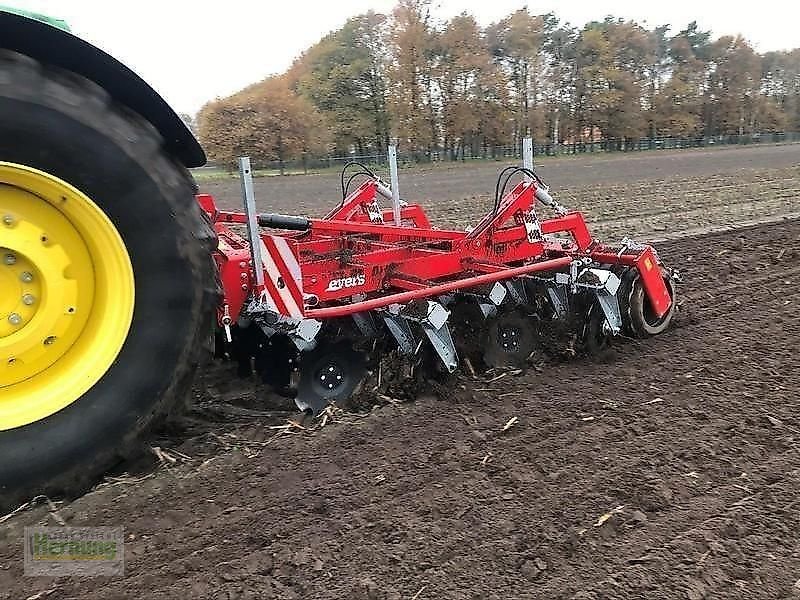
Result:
{"points": [[605, 285], [305, 334], [495, 296], [610, 306], [599, 279], [516, 289], [437, 315], [401, 331], [442, 343], [432, 316], [365, 324]]}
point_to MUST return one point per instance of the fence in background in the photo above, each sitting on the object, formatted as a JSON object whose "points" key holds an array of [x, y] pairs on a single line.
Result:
{"points": [[507, 153]]}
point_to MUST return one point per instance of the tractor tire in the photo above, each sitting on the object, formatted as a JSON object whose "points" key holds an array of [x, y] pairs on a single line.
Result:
{"points": [[62, 132]]}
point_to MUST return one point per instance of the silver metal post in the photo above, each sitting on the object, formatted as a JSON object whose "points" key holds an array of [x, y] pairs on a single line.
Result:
{"points": [[246, 174], [395, 183], [527, 153]]}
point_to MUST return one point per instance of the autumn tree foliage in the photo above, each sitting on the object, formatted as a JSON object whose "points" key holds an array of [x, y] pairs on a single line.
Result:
{"points": [[344, 78], [267, 121], [454, 87]]}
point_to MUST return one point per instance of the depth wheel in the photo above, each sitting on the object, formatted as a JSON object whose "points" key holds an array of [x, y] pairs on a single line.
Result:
{"points": [[641, 319], [329, 373], [512, 337], [111, 288]]}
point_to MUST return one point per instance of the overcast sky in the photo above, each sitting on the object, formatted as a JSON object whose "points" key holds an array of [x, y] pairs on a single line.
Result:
{"points": [[194, 51]]}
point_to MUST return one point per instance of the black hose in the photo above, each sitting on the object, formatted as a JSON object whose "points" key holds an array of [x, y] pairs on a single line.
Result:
{"points": [[284, 222], [350, 181], [497, 186], [501, 190], [365, 170]]}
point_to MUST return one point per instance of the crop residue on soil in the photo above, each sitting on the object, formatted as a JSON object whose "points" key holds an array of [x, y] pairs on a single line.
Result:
{"points": [[670, 471]]}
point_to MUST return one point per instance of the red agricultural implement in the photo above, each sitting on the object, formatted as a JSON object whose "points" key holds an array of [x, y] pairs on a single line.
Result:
{"points": [[110, 274], [315, 304]]}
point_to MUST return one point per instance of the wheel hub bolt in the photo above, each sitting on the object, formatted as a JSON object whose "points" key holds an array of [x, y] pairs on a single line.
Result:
{"points": [[10, 259], [8, 220], [14, 319], [49, 340], [26, 277], [28, 299]]}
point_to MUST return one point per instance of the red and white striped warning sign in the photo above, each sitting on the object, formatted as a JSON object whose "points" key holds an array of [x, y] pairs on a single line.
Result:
{"points": [[282, 276]]}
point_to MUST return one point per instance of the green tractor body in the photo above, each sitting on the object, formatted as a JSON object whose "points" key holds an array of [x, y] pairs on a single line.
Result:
{"points": [[59, 23]]}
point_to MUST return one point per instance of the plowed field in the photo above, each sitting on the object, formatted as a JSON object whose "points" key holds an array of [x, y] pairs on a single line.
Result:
{"points": [[670, 469]]}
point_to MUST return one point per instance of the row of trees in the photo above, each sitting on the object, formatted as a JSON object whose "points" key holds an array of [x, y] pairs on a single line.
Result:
{"points": [[453, 86]]}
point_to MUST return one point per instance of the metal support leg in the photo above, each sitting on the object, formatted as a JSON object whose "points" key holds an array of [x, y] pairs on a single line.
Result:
{"points": [[435, 326], [610, 306], [365, 324], [246, 174], [558, 299], [395, 183], [401, 331], [442, 343], [516, 289], [527, 153]]}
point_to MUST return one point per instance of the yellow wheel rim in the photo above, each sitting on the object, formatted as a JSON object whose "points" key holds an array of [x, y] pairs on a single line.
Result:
{"points": [[66, 294]]}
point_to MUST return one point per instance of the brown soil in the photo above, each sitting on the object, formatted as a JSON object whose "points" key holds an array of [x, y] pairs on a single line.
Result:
{"points": [[690, 440], [668, 470]]}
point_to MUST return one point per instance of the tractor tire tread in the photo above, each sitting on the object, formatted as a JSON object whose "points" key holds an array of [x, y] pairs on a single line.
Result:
{"points": [[24, 79]]}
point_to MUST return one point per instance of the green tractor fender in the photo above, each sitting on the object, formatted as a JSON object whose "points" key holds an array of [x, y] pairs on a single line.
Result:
{"points": [[55, 46]]}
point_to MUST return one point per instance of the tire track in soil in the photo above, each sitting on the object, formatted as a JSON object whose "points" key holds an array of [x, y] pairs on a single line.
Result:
{"points": [[433, 495]]}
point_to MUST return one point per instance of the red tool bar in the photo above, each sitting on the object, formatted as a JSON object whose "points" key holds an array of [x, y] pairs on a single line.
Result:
{"points": [[342, 227], [403, 297], [612, 258], [573, 223]]}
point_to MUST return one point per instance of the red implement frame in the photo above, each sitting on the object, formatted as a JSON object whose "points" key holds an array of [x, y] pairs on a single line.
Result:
{"points": [[352, 260]]}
